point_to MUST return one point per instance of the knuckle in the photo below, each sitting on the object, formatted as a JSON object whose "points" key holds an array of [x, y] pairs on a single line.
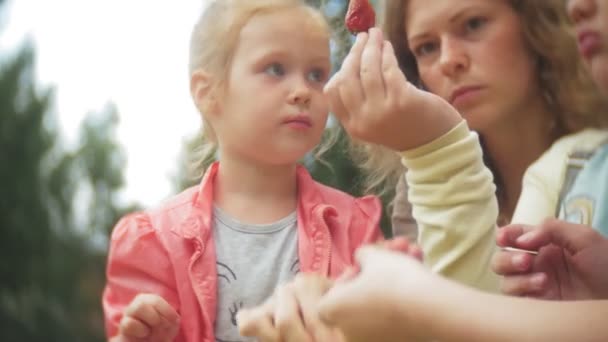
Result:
{"points": [[548, 222], [513, 287], [502, 263], [283, 324], [506, 287], [143, 299]]}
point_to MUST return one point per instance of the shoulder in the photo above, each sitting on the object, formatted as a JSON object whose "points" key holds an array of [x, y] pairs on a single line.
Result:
{"points": [[554, 159], [587, 139], [157, 220]]}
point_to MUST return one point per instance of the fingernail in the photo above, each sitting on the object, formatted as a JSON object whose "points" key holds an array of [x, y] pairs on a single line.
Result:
{"points": [[538, 280], [525, 238], [359, 37], [519, 261]]}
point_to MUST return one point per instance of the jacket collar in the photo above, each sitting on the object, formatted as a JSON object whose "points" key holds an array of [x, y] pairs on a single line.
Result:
{"points": [[201, 212]]}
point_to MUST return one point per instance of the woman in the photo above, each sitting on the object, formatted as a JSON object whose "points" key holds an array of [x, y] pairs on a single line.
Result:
{"points": [[521, 87]]}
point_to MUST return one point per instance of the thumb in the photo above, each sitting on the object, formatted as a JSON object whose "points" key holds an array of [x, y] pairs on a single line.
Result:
{"points": [[507, 236], [334, 307], [572, 237], [365, 255], [338, 303]]}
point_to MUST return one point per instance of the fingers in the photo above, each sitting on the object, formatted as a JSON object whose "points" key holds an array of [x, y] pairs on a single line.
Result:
{"points": [[416, 252], [309, 289], [507, 263], [142, 308], [348, 84], [334, 307], [292, 315], [287, 316], [366, 255], [371, 66], [131, 327], [348, 274], [334, 89], [524, 285], [336, 105], [165, 310], [395, 82], [344, 296], [402, 244], [507, 235], [149, 316], [258, 322], [397, 244], [572, 237]]}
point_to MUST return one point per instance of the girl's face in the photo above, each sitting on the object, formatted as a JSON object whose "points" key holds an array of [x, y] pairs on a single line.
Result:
{"points": [[273, 110], [590, 18], [472, 53]]}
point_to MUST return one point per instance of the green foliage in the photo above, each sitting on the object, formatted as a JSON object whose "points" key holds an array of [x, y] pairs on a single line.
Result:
{"points": [[52, 251]]}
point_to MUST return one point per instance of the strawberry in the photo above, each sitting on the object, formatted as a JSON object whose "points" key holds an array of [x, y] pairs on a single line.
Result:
{"points": [[360, 16]]}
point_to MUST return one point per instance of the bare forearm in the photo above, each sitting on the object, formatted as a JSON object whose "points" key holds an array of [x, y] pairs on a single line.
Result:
{"points": [[463, 314]]}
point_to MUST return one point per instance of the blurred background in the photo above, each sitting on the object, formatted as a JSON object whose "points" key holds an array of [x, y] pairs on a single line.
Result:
{"points": [[96, 121]]}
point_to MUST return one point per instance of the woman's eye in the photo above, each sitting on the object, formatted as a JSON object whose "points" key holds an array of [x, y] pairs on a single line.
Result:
{"points": [[425, 49], [275, 69], [475, 23]]}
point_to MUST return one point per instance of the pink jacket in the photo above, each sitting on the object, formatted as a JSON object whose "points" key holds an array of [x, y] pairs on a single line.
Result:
{"points": [[170, 252]]}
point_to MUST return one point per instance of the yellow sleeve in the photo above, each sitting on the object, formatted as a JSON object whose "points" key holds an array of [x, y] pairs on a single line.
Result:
{"points": [[454, 203]]}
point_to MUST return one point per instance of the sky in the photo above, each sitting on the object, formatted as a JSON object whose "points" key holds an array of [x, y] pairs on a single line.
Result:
{"points": [[130, 52]]}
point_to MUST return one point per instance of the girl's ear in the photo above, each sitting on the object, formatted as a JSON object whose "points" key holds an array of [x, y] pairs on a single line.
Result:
{"points": [[202, 91]]}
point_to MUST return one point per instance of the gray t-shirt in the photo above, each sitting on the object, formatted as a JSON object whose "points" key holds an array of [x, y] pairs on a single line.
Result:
{"points": [[252, 260]]}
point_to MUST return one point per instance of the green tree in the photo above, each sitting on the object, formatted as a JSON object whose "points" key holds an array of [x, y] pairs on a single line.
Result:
{"points": [[56, 209]]}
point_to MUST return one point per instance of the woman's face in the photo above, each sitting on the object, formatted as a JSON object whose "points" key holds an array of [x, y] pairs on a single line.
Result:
{"points": [[472, 53], [590, 18]]}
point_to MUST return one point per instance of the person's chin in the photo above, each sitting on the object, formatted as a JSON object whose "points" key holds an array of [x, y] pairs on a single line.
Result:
{"points": [[478, 118]]}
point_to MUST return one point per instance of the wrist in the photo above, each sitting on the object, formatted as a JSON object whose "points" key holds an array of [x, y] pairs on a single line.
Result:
{"points": [[437, 310], [436, 119]]}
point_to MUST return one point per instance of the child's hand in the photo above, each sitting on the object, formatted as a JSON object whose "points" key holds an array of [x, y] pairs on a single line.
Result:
{"points": [[399, 244], [290, 315], [569, 266], [374, 101], [382, 302], [148, 318], [403, 245]]}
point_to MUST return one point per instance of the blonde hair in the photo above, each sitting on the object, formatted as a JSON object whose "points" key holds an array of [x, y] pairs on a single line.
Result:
{"points": [[568, 88], [212, 44]]}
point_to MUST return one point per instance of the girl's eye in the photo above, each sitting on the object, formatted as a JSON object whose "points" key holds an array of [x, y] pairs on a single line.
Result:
{"points": [[425, 49], [275, 69], [475, 24], [316, 75]]}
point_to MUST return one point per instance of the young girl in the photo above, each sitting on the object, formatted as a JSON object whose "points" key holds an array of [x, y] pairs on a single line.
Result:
{"points": [[182, 271]]}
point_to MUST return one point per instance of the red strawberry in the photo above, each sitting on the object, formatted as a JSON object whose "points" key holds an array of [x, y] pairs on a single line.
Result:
{"points": [[360, 16]]}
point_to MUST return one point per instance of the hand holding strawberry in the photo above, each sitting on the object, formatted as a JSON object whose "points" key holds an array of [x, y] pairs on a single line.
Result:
{"points": [[375, 103]]}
